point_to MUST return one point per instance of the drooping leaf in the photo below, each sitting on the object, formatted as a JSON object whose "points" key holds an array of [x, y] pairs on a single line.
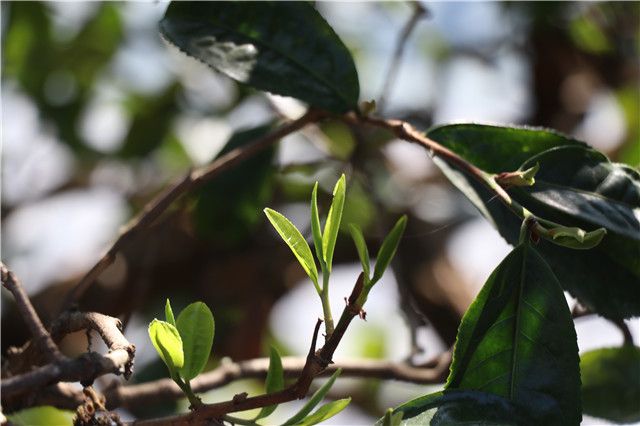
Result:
{"points": [[331, 228], [363, 251], [274, 381], [168, 313], [325, 412], [575, 187], [166, 339], [611, 383], [316, 230], [196, 326], [285, 48], [236, 197], [296, 243], [388, 248], [517, 341], [461, 407], [313, 401]]}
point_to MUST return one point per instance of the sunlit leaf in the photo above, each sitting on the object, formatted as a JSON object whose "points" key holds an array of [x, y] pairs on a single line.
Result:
{"points": [[296, 243], [274, 381], [166, 339], [325, 412], [331, 228], [41, 416], [196, 326], [363, 251], [313, 401], [168, 313], [316, 230], [388, 248], [285, 48]]}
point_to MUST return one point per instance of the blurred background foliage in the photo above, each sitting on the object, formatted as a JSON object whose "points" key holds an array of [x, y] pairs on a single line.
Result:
{"points": [[98, 115]]}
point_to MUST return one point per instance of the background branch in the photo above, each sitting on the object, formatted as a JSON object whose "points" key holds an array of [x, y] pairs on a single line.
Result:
{"points": [[189, 182]]}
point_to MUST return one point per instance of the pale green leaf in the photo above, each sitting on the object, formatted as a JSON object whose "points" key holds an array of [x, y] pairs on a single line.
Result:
{"points": [[325, 412], [296, 243], [313, 401], [363, 252], [331, 228], [168, 344], [196, 326], [168, 313], [388, 248]]}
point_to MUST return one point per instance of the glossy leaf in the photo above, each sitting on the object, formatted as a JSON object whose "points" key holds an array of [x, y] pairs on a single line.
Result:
{"points": [[285, 48], [611, 383], [517, 341], [575, 187], [363, 251], [168, 344], [296, 243], [274, 381], [313, 401], [388, 248], [331, 228], [457, 408], [325, 412], [316, 230], [196, 326], [168, 313]]}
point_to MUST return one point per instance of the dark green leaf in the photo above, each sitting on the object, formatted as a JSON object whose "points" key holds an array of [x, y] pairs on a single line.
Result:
{"points": [[332, 227], [363, 251], [611, 383], [196, 326], [388, 248], [316, 230], [497, 149], [228, 208], [296, 243], [168, 313], [325, 412], [313, 401], [517, 341], [274, 381], [285, 48], [575, 187], [457, 408], [168, 344]]}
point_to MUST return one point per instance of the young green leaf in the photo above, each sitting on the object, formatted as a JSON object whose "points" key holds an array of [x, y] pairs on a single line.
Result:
{"points": [[332, 226], [363, 252], [325, 412], [316, 230], [391, 418], [388, 249], [313, 401], [296, 243], [168, 344], [519, 326], [168, 313], [274, 381], [576, 238], [196, 326]]}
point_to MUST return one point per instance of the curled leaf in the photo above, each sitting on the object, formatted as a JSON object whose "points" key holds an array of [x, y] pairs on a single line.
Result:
{"points": [[576, 238], [519, 177], [168, 344]]}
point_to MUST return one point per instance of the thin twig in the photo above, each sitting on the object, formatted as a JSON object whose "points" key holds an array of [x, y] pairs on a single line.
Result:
{"points": [[189, 182], [419, 11], [41, 337]]}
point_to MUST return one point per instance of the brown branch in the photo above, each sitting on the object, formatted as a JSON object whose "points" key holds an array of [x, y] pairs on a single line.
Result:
{"points": [[41, 337], [419, 12], [85, 368], [189, 182]]}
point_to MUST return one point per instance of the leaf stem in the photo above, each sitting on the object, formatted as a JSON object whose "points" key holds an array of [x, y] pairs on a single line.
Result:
{"points": [[326, 306]]}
